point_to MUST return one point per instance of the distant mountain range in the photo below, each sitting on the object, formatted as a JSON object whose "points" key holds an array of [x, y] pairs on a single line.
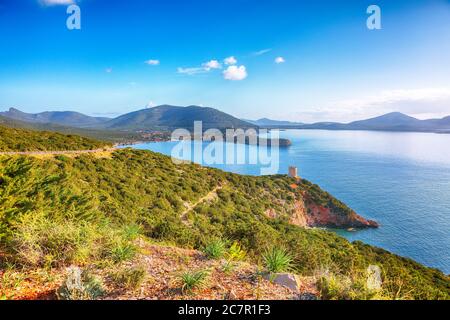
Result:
{"points": [[168, 117], [394, 121], [64, 118], [163, 117]]}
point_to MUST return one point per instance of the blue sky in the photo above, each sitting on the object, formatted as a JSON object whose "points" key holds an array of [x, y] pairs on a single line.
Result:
{"points": [[138, 53]]}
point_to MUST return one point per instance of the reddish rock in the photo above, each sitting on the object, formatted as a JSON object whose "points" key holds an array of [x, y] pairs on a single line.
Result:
{"points": [[307, 213], [320, 216]]}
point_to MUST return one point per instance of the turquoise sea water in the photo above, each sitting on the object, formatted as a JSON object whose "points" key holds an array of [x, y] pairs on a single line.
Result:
{"points": [[401, 180]]}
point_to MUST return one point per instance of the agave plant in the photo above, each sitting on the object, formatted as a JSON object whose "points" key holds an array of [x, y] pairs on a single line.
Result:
{"points": [[191, 280], [277, 260]]}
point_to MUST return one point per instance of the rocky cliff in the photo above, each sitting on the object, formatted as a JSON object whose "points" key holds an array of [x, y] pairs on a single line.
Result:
{"points": [[320, 216], [314, 207]]}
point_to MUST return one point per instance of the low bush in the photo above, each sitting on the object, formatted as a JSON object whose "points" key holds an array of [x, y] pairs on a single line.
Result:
{"points": [[122, 251], [41, 241], [215, 249], [233, 255], [130, 278]]}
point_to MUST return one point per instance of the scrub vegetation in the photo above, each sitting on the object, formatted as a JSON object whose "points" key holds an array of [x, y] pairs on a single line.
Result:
{"points": [[90, 212]]}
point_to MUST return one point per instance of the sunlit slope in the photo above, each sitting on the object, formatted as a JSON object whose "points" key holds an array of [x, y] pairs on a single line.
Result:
{"points": [[189, 205]]}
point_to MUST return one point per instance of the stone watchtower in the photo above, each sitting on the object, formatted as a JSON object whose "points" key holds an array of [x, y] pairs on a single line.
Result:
{"points": [[293, 172]]}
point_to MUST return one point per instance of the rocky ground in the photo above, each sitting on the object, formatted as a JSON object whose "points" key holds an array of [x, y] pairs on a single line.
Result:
{"points": [[163, 266]]}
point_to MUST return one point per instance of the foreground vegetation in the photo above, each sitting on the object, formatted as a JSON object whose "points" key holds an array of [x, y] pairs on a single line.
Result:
{"points": [[13, 139], [89, 211]]}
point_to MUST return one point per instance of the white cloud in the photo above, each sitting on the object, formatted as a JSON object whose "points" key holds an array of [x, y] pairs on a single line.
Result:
{"points": [[191, 71], [56, 2], [206, 67], [261, 52], [230, 61], [109, 70], [153, 62], [279, 60], [235, 73], [392, 97], [213, 64]]}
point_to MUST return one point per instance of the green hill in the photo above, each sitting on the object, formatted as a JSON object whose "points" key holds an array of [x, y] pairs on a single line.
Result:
{"points": [[171, 117], [14, 139], [64, 118], [112, 136], [62, 211]]}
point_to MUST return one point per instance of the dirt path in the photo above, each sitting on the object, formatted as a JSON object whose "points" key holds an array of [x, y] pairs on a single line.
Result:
{"points": [[189, 207], [41, 153]]}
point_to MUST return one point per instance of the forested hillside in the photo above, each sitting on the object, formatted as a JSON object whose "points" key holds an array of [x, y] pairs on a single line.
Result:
{"points": [[14, 139], [64, 211], [168, 117]]}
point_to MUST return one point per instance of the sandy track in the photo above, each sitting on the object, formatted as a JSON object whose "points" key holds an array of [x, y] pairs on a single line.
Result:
{"points": [[209, 197], [38, 153]]}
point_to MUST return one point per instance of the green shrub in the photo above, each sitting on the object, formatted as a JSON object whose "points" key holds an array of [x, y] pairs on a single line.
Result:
{"points": [[234, 254], [277, 260], [122, 251], [215, 249], [132, 232], [354, 287], [42, 241], [192, 280], [130, 278]]}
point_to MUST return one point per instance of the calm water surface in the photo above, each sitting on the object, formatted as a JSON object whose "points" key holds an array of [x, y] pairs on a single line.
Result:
{"points": [[401, 180]]}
